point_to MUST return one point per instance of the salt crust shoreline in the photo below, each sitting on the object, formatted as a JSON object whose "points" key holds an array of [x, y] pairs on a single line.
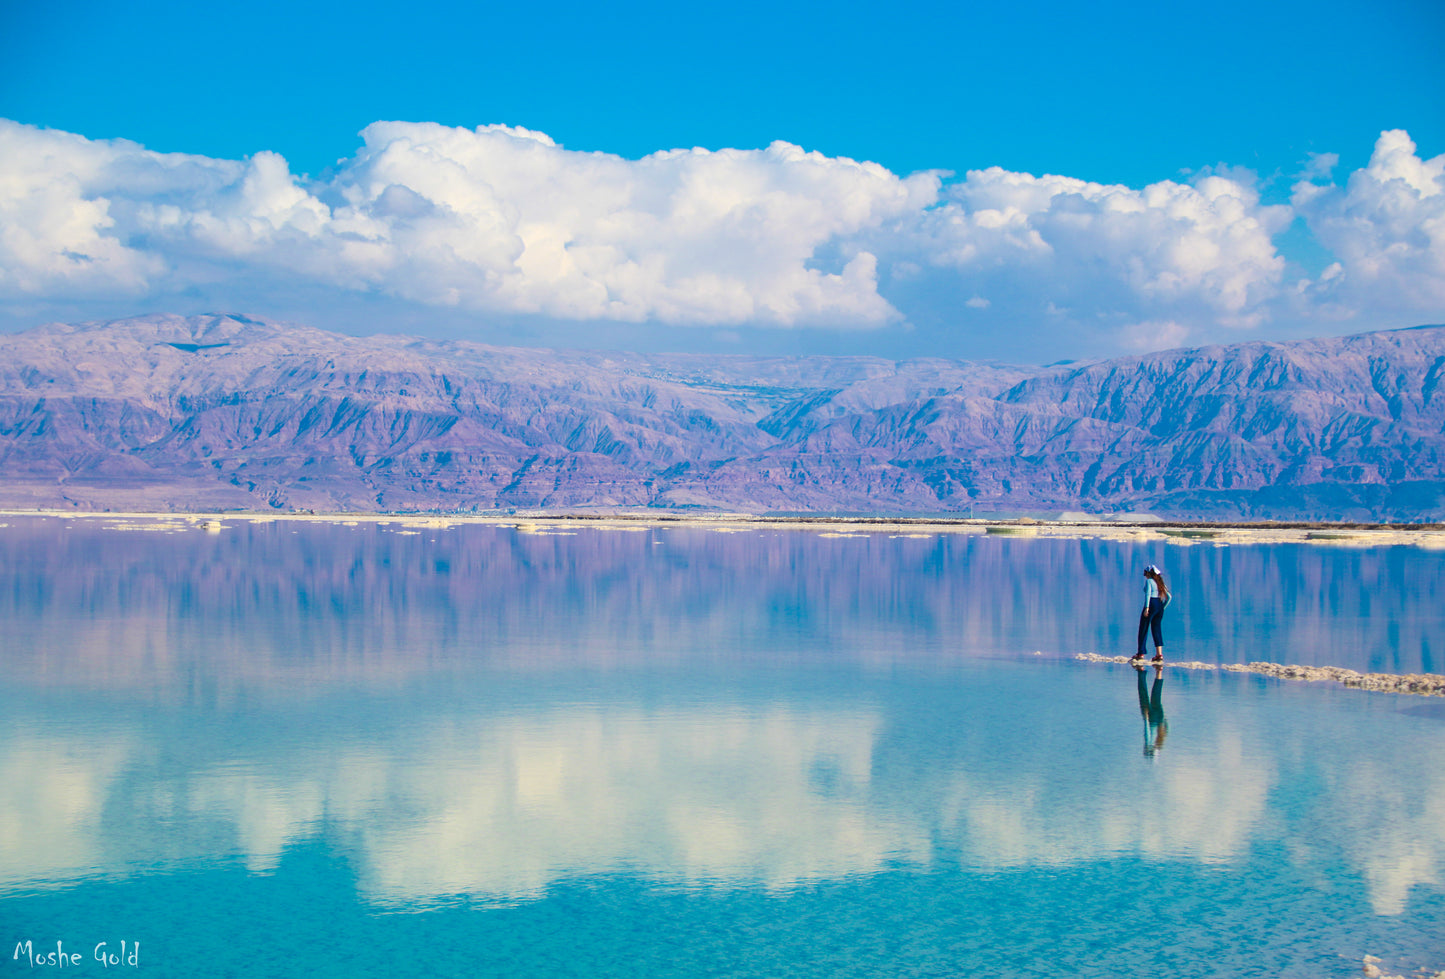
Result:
{"points": [[1424, 684], [1430, 536]]}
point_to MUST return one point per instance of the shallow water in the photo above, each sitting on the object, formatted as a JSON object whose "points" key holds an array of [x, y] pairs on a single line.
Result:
{"points": [[310, 748]]}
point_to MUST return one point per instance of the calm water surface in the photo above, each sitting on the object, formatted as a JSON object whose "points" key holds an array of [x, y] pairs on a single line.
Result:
{"points": [[309, 749]]}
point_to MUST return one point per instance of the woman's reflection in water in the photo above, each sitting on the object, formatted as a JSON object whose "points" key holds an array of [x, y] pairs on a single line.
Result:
{"points": [[1151, 708]]}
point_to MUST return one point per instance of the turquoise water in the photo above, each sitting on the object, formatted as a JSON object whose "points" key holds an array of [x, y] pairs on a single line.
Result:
{"points": [[308, 749]]}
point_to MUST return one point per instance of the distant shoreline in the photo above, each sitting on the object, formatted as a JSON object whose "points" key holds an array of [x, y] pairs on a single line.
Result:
{"points": [[1169, 531]]}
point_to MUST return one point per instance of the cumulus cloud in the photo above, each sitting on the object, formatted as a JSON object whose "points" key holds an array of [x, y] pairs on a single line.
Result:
{"points": [[496, 218], [56, 235], [1386, 227], [502, 219], [690, 236], [1200, 252]]}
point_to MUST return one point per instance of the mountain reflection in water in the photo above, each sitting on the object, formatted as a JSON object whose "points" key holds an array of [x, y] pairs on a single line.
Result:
{"points": [[262, 604]]}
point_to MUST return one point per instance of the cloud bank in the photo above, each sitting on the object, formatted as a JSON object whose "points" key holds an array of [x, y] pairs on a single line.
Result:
{"points": [[497, 219], [504, 220], [1142, 260], [1386, 227]]}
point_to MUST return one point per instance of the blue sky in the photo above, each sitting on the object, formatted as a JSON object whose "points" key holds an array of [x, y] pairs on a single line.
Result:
{"points": [[1127, 94]]}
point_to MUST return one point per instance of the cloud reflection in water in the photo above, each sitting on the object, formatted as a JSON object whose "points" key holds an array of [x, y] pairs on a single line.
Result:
{"points": [[498, 807]]}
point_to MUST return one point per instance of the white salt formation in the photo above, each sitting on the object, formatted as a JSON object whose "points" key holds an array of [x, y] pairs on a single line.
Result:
{"points": [[1373, 970], [1425, 684]]}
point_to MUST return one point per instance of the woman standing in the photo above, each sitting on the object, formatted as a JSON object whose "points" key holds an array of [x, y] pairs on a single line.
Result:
{"points": [[1156, 597]]}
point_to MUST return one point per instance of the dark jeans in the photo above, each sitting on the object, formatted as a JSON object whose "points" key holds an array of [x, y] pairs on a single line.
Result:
{"points": [[1151, 708], [1150, 620]]}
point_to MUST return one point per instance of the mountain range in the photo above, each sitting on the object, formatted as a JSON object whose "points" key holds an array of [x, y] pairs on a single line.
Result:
{"points": [[166, 412]]}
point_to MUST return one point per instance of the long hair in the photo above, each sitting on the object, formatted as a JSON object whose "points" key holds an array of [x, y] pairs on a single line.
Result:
{"points": [[1158, 577]]}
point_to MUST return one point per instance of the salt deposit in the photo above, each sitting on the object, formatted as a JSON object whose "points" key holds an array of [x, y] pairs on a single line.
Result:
{"points": [[1425, 684]]}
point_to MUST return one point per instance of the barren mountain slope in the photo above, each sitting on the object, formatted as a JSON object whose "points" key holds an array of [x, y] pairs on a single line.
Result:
{"points": [[168, 412]]}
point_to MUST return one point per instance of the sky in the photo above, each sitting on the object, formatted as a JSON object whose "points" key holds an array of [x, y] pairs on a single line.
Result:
{"points": [[1049, 182]]}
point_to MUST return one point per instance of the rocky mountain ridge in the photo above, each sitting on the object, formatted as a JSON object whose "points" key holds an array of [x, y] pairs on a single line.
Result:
{"points": [[169, 412]]}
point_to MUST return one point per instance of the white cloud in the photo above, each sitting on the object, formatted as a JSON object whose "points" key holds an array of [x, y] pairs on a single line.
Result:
{"points": [[1203, 251], [1321, 165], [505, 218], [1386, 227], [1153, 335], [502, 219], [492, 219], [55, 236]]}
